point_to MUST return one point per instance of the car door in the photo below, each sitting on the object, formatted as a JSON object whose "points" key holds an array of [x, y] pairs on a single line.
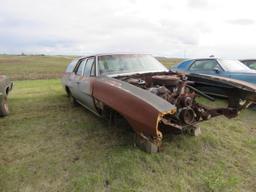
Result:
{"points": [[76, 77], [206, 66], [85, 84]]}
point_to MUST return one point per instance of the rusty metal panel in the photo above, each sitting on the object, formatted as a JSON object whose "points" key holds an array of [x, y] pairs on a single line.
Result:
{"points": [[139, 107]]}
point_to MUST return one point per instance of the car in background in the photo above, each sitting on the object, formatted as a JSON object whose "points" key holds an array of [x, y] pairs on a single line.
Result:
{"points": [[251, 63], [144, 92], [5, 88], [218, 67]]}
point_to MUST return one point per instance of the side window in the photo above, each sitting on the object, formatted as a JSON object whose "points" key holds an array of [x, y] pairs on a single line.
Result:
{"points": [[93, 71], [251, 64], [204, 65], [71, 66], [184, 64], [89, 69], [80, 68]]}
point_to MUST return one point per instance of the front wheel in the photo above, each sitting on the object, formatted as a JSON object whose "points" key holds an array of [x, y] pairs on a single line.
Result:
{"points": [[4, 108]]}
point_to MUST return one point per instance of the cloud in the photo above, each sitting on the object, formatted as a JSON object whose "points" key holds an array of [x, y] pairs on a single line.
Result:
{"points": [[102, 28], [197, 3], [162, 27], [242, 22]]}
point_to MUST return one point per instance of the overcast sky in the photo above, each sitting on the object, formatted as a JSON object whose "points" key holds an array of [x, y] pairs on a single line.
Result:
{"points": [[194, 28]]}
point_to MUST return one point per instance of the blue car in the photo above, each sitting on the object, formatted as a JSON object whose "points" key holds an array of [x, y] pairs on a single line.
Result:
{"points": [[217, 67]]}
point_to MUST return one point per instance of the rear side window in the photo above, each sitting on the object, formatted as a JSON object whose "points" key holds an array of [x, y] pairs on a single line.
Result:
{"points": [[251, 64], [80, 68], [204, 65], [71, 66], [89, 67]]}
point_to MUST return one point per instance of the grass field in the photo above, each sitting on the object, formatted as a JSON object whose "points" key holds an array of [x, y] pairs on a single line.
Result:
{"points": [[47, 145], [43, 67], [33, 67]]}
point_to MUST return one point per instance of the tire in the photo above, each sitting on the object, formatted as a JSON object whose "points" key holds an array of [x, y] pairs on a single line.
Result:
{"points": [[4, 108], [67, 91], [73, 101]]}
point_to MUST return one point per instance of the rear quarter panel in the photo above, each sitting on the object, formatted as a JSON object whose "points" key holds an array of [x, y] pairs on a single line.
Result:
{"points": [[65, 78], [5, 83], [251, 78]]}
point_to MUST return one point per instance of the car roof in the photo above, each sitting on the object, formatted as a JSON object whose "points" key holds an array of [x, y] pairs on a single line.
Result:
{"points": [[215, 58], [200, 59], [248, 60], [209, 58], [105, 54]]}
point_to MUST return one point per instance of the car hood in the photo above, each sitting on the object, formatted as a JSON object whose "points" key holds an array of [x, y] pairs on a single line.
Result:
{"points": [[230, 81], [134, 73], [246, 88]]}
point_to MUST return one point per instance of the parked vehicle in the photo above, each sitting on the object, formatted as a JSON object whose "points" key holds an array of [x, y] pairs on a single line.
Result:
{"points": [[251, 63], [5, 88], [218, 67], [147, 95]]}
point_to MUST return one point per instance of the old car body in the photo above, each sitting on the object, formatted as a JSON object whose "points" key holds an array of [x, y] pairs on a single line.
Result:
{"points": [[251, 63], [5, 88], [146, 94], [218, 67]]}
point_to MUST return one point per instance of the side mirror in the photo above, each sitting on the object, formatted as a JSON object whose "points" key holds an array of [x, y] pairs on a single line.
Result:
{"points": [[216, 69]]}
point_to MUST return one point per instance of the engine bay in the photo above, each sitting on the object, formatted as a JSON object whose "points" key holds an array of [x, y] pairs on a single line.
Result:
{"points": [[179, 91]]}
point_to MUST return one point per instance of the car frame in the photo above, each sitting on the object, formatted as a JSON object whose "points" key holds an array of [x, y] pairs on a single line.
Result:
{"points": [[142, 98]]}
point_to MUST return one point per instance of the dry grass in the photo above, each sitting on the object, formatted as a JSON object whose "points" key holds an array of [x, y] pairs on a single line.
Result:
{"points": [[33, 67]]}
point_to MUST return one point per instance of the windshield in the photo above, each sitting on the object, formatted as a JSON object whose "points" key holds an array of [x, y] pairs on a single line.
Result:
{"points": [[234, 65], [118, 64]]}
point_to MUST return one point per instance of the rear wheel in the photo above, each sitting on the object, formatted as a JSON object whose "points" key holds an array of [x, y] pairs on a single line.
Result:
{"points": [[4, 108], [73, 101], [67, 91]]}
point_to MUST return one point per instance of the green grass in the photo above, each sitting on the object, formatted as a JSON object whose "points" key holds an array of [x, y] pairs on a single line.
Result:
{"points": [[46, 145]]}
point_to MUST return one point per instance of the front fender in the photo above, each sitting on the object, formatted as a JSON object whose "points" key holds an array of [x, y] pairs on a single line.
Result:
{"points": [[141, 108]]}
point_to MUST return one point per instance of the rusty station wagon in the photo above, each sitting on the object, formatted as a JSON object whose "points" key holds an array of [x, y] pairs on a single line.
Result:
{"points": [[147, 95]]}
